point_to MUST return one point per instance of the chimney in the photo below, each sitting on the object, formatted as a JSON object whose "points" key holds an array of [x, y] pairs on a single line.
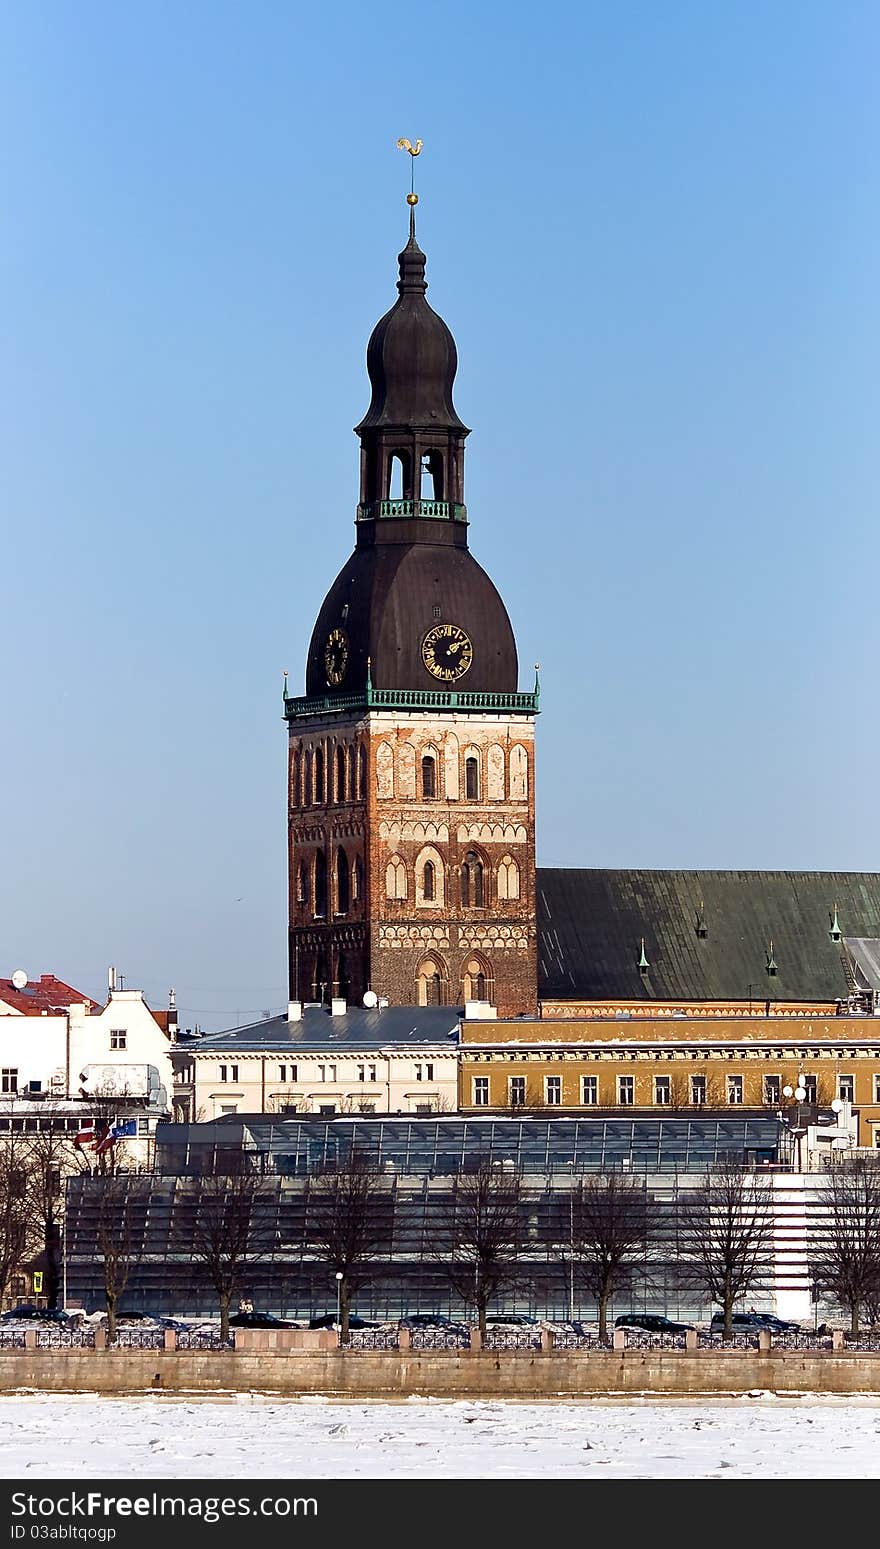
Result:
{"points": [[338, 1007], [172, 1017], [111, 979], [294, 1010]]}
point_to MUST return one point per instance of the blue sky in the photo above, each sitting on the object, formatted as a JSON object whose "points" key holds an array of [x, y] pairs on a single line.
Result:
{"points": [[654, 232]]}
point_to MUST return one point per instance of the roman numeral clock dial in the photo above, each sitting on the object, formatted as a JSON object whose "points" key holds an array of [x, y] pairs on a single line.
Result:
{"points": [[335, 657], [447, 652]]}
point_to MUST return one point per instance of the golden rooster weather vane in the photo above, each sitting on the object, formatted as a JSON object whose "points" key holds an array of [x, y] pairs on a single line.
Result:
{"points": [[412, 197]]}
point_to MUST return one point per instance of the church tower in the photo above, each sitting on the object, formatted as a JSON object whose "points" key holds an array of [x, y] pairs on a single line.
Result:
{"points": [[411, 796]]}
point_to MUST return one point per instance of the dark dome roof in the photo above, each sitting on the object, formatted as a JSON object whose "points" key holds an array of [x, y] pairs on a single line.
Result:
{"points": [[411, 357], [384, 598]]}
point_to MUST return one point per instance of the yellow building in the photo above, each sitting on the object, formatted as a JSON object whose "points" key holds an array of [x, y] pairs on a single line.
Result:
{"points": [[681, 1062]]}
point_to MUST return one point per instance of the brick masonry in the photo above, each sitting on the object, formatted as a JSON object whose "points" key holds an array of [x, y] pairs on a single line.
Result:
{"points": [[363, 827]]}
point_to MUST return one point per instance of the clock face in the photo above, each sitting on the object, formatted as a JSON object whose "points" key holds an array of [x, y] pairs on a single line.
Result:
{"points": [[336, 656], [447, 652]]}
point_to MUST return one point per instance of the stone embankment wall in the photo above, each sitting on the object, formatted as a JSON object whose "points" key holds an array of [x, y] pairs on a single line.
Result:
{"points": [[441, 1374]]}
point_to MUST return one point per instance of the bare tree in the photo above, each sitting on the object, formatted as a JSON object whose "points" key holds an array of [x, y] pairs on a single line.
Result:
{"points": [[16, 1234], [725, 1236], [346, 1224], [845, 1245], [51, 1156], [114, 1239], [481, 1242], [229, 1233], [609, 1236]]}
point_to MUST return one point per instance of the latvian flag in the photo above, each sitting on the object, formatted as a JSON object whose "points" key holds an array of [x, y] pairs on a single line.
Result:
{"points": [[85, 1135], [119, 1131]]}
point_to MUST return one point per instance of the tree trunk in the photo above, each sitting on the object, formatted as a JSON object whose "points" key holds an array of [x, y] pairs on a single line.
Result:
{"points": [[344, 1311], [111, 1318], [728, 1317], [482, 1304], [225, 1299], [855, 1310], [52, 1248], [603, 1317]]}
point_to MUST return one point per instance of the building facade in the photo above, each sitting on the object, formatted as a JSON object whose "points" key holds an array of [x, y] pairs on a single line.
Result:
{"points": [[411, 792], [655, 1064]]}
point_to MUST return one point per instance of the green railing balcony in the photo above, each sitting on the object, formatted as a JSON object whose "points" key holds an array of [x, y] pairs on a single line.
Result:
{"points": [[408, 510], [370, 698]]}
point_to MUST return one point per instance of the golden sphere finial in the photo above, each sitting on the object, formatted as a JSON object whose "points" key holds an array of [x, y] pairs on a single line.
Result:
{"points": [[412, 199]]}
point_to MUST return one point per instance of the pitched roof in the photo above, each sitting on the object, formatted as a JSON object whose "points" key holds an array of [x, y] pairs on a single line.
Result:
{"points": [[707, 934], [357, 1029], [44, 994]]}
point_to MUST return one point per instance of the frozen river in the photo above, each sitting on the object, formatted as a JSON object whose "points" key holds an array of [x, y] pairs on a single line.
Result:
{"points": [[250, 1436]]}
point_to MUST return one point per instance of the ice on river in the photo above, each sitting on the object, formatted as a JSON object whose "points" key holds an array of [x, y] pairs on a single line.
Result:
{"points": [[255, 1436]]}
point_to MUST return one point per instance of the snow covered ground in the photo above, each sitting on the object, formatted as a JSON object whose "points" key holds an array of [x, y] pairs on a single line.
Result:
{"points": [[251, 1436]]}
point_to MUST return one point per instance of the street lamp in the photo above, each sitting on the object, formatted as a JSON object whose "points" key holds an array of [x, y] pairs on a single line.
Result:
{"points": [[339, 1306], [799, 1094]]}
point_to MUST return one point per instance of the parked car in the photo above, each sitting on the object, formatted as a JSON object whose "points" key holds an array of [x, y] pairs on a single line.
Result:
{"points": [[429, 1320], [651, 1323], [753, 1322], [511, 1320], [36, 1314], [257, 1320], [329, 1320]]}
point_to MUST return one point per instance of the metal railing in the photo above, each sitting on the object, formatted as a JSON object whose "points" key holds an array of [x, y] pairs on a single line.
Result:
{"points": [[430, 510], [411, 699]]}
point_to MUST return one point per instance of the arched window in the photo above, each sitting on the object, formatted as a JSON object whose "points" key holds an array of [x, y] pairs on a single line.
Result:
{"points": [[495, 776], [472, 777], [406, 770], [342, 882], [340, 774], [319, 774], [429, 777], [384, 771], [357, 879], [429, 878], [400, 476], [432, 476], [472, 881], [295, 779], [477, 980], [508, 878], [519, 773], [362, 772], [395, 878], [432, 983], [320, 885], [302, 883], [307, 779], [352, 772]]}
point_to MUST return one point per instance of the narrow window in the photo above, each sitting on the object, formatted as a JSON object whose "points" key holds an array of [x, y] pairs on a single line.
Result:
{"points": [[698, 1091], [846, 1088], [662, 1091], [626, 1091], [428, 882], [481, 1097], [773, 1090], [340, 774], [734, 1090], [362, 772], [811, 1087], [877, 1089], [320, 885], [342, 882], [295, 780], [471, 778], [319, 775], [589, 1091], [517, 1089], [9, 1080], [472, 881], [429, 777], [302, 886], [553, 1089], [358, 879]]}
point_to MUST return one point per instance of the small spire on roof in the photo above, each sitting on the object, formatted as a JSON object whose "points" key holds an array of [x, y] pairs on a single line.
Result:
{"points": [[835, 932], [537, 680], [771, 967], [285, 684], [644, 965]]}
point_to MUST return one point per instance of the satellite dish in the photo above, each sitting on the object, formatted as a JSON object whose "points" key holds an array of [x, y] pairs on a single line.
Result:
{"points": [[371, 999], [19, 978], [788, 1091], [837, 1106], [800, 1093]]}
